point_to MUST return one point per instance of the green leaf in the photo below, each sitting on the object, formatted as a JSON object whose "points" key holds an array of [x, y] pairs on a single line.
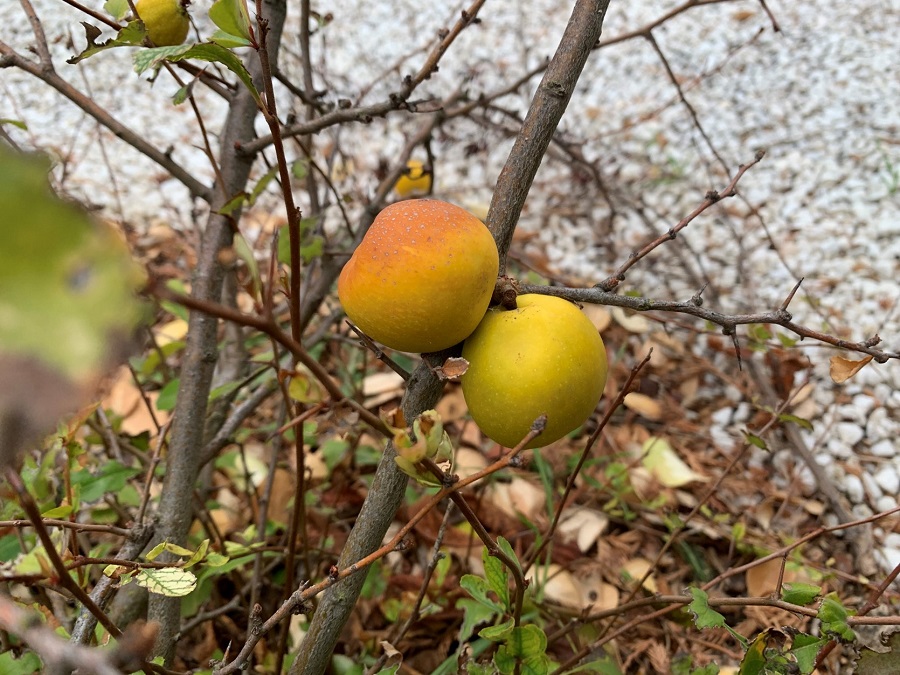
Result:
{"points": [[833, 616], [799, 594], [232, 17], [245, 253], [197, 555], [118, 9], [168, 395], [299, 168], [16, 123], [173, 582], [753, 439], [132, 35], [805, 649], [474, 614], [799, 421], [112, 478], [58, 512], [498, 632], [228, 41], [526, 641], [497, 576], [478, 588], [27, 664], [706, 617], [504, 546], [145, 59]]}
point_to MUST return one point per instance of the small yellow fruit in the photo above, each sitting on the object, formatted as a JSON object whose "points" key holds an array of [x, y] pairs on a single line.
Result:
{"points": [[414, 182], [166, 21], [422, 277], [543, 358]]}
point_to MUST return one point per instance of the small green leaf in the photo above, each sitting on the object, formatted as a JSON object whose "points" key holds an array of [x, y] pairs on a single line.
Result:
{"points": [[228, 41], [706, 617], [172, 582], [118, 9], [805, 649], [232, 17], [474, 614], [497, 576], [498, 632], [27, 664], [168, 395], [753, 439], [800, 594], [478, 588], [799, 421], [16, 123], [833, 616], [299, 168], [58, 512]]}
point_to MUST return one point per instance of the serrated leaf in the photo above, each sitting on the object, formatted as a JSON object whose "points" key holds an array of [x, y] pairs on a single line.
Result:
{"points": [[173, 582], [799, 593], [232, 17], [478, 588], [132, 35], [145, 59], [833, 616], [706, 617]]}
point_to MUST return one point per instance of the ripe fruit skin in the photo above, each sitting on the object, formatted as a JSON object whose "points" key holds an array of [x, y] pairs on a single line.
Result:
{"points": [[414, 182], [546, 358], [166, 21], [422, 277]]}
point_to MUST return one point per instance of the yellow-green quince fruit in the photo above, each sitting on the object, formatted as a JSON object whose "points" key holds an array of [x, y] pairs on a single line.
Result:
{"points": [[166, 21], [543, 358]]}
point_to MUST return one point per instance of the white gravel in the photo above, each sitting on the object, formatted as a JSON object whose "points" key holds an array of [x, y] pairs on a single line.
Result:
{"points": [[819, 96]]}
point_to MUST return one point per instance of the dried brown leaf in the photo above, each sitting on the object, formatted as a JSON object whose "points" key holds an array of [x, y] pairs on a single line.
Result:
{"points": [[843, 369], [644, 405]]}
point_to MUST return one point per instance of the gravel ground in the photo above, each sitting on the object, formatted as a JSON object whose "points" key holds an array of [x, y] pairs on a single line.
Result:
{"points": [[817, 95]]}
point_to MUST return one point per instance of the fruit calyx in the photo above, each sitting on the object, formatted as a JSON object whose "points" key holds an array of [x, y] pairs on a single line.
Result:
{"points": [[505, 292]]}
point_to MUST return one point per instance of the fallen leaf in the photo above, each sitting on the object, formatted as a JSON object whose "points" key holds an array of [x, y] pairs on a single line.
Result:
{"points": [[843, 369], [634, 323], [665, 464], [584, 525], [171, 332], [599, 316], [381, 387], [636, 568], [467, 462], [644, 406]]}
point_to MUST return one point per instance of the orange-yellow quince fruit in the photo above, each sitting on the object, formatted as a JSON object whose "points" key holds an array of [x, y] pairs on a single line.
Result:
{"points": [[422, 277], [166, 21], [543, 358], [415, 181]]}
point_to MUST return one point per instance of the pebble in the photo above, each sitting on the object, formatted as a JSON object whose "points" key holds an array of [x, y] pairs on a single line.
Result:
{"points": [[884, 448], [886, 503], [849, 433], [886, 477], [853, 486], [873, 488], [722, 416]]}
